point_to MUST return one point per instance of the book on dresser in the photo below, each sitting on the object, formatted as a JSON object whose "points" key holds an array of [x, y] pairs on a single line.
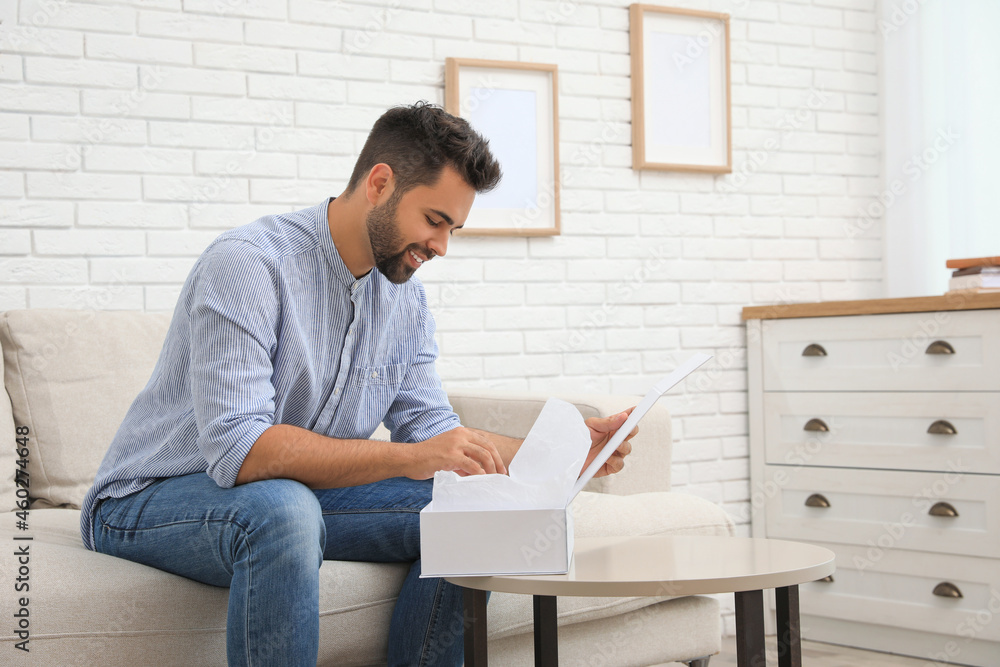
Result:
{"points": [[974, 275], [970, 262], [972, 270], [985, 279]]}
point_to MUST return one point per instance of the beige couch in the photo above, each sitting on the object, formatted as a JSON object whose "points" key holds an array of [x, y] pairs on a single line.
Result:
{"points": [[70, 375]]}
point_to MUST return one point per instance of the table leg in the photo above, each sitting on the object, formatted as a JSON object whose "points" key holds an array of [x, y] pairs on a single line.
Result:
{"points": [[546, 631], [474, 622], [750, 629], [789, 637]]}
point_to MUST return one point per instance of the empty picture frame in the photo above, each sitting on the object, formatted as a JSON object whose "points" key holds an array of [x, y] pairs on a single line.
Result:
{"points": [[680, 89], [515, 106]]}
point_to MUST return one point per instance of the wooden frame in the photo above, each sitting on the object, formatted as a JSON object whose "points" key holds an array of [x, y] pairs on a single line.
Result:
{"points": [[516, 106], [681, 109]]}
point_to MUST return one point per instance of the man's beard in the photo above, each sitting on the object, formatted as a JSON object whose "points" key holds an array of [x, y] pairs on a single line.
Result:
{"points": [[383, 233]]}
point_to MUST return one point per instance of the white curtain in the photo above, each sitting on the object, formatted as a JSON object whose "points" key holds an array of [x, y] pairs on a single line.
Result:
{"points": [[941, 128]]}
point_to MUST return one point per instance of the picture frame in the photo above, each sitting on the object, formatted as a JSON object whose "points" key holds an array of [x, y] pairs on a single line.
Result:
{"points": [[515, 106], [681, 105]]}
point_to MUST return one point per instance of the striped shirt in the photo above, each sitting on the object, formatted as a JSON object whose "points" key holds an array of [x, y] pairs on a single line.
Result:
{"points": [[272, 328]]}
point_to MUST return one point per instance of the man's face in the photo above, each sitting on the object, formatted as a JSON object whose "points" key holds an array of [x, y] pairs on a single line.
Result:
{"points": [[409, 230]]}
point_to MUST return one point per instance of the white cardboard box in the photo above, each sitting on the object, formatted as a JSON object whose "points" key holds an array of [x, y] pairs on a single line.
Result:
{"points": [[489, 542], [520, 541]]}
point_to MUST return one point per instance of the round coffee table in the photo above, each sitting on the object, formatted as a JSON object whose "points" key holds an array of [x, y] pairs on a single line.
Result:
{"points": [[665, 566]]}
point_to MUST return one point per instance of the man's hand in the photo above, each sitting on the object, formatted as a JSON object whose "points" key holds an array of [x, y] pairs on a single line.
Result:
{"points": [[464, 450], [601, 430]]}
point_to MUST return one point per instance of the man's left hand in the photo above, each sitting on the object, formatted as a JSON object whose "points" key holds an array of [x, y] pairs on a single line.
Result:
{"points": [[601, 430]]}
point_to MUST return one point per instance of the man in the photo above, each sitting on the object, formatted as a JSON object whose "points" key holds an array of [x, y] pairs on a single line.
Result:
{"points": [[285, 352]]}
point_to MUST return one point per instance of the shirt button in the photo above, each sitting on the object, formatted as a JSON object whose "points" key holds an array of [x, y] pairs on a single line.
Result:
{"points": [[374, 374], [337, 390]]}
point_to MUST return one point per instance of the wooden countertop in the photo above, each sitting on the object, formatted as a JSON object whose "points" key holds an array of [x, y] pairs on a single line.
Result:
{"points": [[920, 304]]}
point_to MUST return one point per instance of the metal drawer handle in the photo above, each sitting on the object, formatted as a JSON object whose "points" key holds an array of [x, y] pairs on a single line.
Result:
{"points": [[946, 589], [817, 500], [942, 427], [816, 425], [814, 350], [943, 509], [940, 347], [828, 579]]}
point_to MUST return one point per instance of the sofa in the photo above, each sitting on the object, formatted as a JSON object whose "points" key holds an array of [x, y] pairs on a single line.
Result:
{"points": [[69, 376]]}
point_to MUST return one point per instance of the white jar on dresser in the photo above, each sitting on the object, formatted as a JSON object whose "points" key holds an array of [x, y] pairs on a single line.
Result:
{"points": [[875, 432]]}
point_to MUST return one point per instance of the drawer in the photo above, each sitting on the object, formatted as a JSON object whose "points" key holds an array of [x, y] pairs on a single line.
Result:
{"points": [[885, 509], [896, 588], [903, 431], [884, 352]]}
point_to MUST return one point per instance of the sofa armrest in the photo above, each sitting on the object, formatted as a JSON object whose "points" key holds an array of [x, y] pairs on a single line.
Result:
{"points": [[512, 414]]}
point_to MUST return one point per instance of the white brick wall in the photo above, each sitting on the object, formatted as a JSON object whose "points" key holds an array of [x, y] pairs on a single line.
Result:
{"points": [[131, 133]]}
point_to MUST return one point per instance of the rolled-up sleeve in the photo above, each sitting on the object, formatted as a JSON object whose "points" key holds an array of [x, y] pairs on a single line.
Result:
{"points": [[234, 313], [421, 409]]}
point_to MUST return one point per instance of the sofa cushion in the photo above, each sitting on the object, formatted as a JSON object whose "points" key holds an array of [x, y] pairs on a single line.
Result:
{"points": [[71, 376]]}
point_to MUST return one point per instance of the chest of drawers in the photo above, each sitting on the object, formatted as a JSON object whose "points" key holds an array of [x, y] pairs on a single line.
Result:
{"points": [[875, 432]]}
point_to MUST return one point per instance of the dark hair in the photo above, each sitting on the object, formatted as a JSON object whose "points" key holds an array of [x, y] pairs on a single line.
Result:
{"points": [[418, 141]]}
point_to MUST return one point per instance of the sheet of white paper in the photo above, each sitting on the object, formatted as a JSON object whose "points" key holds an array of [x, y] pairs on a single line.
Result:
{"points": [[638, 413], [541, 475]]}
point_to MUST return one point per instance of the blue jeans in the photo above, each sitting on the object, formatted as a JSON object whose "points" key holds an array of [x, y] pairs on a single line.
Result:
{"points": [[266, 540]]}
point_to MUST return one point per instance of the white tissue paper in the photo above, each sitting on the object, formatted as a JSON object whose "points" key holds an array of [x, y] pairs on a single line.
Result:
{"points": [[541, 475]]}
